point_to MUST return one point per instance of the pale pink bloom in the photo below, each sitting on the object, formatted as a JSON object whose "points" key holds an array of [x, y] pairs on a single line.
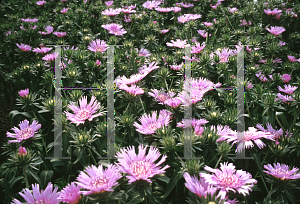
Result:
{"points": [[185, 123], [187, 17], [203, 33], [28, 20], [143, 52], [64, 10], [24, 47], [160, 95], [224, 54], [213, 7], [185, 5], [250, 86], [274, 12], [191, 59], [288, 89], [127, 10], [111, 12], [244, 22], [261, 77], [293, 59], [173, 102], [276, 30], [147, 69], [127, 19], [132, 90], [98, 46], [164, 31], [281, 43], [277, 17], [165, 10], [114, 28], [22, 151], [197, 49], [49, 30], [40, 3], [60, 34], [70, 194], [229, 179], [42, 50], [178, 43], [231, 10], [271, 130], [98, 63], [132, 80], [50, 57], [277, 60], [176, 9], [207, 24], [176, 67], [282, 172], [151, 4], [109, 3], [286, 78]]}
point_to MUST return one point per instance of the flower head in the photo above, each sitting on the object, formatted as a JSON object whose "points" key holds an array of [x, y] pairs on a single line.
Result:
{"points": [[288, 89], [147, 69], [24, 93], [132, 90], [176, 67], [109, 3], [229, 179], [24, 47], [282, 172], [276, 30], [160, 95], [151, 4], [178, 43], [25, 132], [22, 151], [64, 10], [197, 49], [140, 166], [164, 31], [60, 34], [70, 194], [84, 112], [98, 46], [42, 50], [50, 57], [97, 180], [114, 28], [286, 78], [40, 3], [111, 12], [28, 20]]}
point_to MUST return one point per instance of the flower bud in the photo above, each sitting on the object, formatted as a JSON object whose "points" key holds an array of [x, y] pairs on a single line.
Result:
{"points": [[22, 151], [24, 93]]}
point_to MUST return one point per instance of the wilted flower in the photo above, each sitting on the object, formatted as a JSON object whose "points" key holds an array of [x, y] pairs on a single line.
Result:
{"points": [[98, 46], [45, 196], [140, 166], [114, 28], [70, 194], [24, 47], [24, 93], [229, 179], [25, 132], [276, 30], [84, 112], [282, 172], [97, 180]]}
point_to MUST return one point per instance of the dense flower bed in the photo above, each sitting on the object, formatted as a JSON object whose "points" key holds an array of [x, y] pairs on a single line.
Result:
{"points": [[153, 94]]}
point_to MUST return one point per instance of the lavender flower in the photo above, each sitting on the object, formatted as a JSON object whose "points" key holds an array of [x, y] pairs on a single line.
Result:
{"points": [[282, 172]]}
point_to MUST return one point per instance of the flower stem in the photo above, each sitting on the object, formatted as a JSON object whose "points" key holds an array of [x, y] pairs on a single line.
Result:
{"points": [[218, 161], [25, 177], [142, 104], [93, 158]]}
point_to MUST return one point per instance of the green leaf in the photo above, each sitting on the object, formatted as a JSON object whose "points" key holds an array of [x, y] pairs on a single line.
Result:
{"points": [[172, 183], [7, 188], [164, 179], [45, 176], [34, 176], [149, 195]]}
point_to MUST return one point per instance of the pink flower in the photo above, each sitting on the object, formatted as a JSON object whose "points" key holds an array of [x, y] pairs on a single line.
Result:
{"points": [[109, 3], [276, 30], [231, 10], [98, 63], [213, 7], [284, 98], [70, 194], [60, 34], [185, 5], [244, 22], [229, 179], [288, 89], [40, 3], [24, 93], [42, 50], [49, 30], [176, 9], [165, 10], [50, 57], [187, 17], [25, 132], [178, 43], [160, 95], [293, 59], [176, 67], [286, 78], [173, 102], [64, 10], [84, 112], [140, 166], [111, 12], [132, 80], [24, 47], [146, 70], [277, 17], [143, 52], [282, 172], [277, 133], [132, 90], [197, 49], [164, 31], [203, 33], [207, 24], [127, 19], [28, 20], [150, 123], [274, 12], [114, 28], [97, 179], [261, 77], [250, 86], [185, 123], [151, 4], [22, 151], [98, 46], [45, 196]]}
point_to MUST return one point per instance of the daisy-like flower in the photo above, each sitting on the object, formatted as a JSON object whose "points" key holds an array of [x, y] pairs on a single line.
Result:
{"points": [[140, 166], [160, 95], [23, 93], [49, 30], [250, 136], [64, 10], [22, 151], [50, 57], [28, 20], [147, 69], [98, 46], [277, 17], [60, 34], [109, 3], [173, 102], [176, 9], [229, 179], [114, 28], [277, 133], [293, 58], [187, 17], [274, 12], [111, 12], [84, 112], [199, 187], [45, 196], [70, 194], [132, 90], [143, 52], [150, 123], [288, 89], [98, 180], [276, 30], [203, 33], [132, 80], [198, 48], [25, 132], [24, 47], [261, 77], [165, 10], [178, 43], [151, 4], [164, 31], [231, 10], [185, 123], [286, 78], [42, 50], [284, 98], [282, 172], [177, 67], [207, 24], [40, 3]]}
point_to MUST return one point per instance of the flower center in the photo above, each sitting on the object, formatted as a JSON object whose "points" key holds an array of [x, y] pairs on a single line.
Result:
{"points": [[26, 133], [162, 97], [84, 114], [152, 126], [140, 168], [228, 180], [98, 182]]}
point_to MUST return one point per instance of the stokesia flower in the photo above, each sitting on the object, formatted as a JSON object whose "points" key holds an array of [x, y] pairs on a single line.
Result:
{"points": [[293, 58], [140, 166], [282, 172], [150, 123], [22, 151], [276, 30], [173, 102], [288, 89], [114, 28], [132, 90], [178, 43], [84, 112], [160, 95], [24, 47], [60, 34], [45, 196], [70, 194], [197, 49], [28, 20], [64, 10], [229, 179], [151, 4], [25, 132], [284, 98], [207, 24], [277, 133], [286, 78], [50, 57], [164, 31], [23, 93], [144, 69], [98, 180], [177, 67], [40, 3], [98, 46], [42, 50], [143, 52], [109, 3], [111, 12]]}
